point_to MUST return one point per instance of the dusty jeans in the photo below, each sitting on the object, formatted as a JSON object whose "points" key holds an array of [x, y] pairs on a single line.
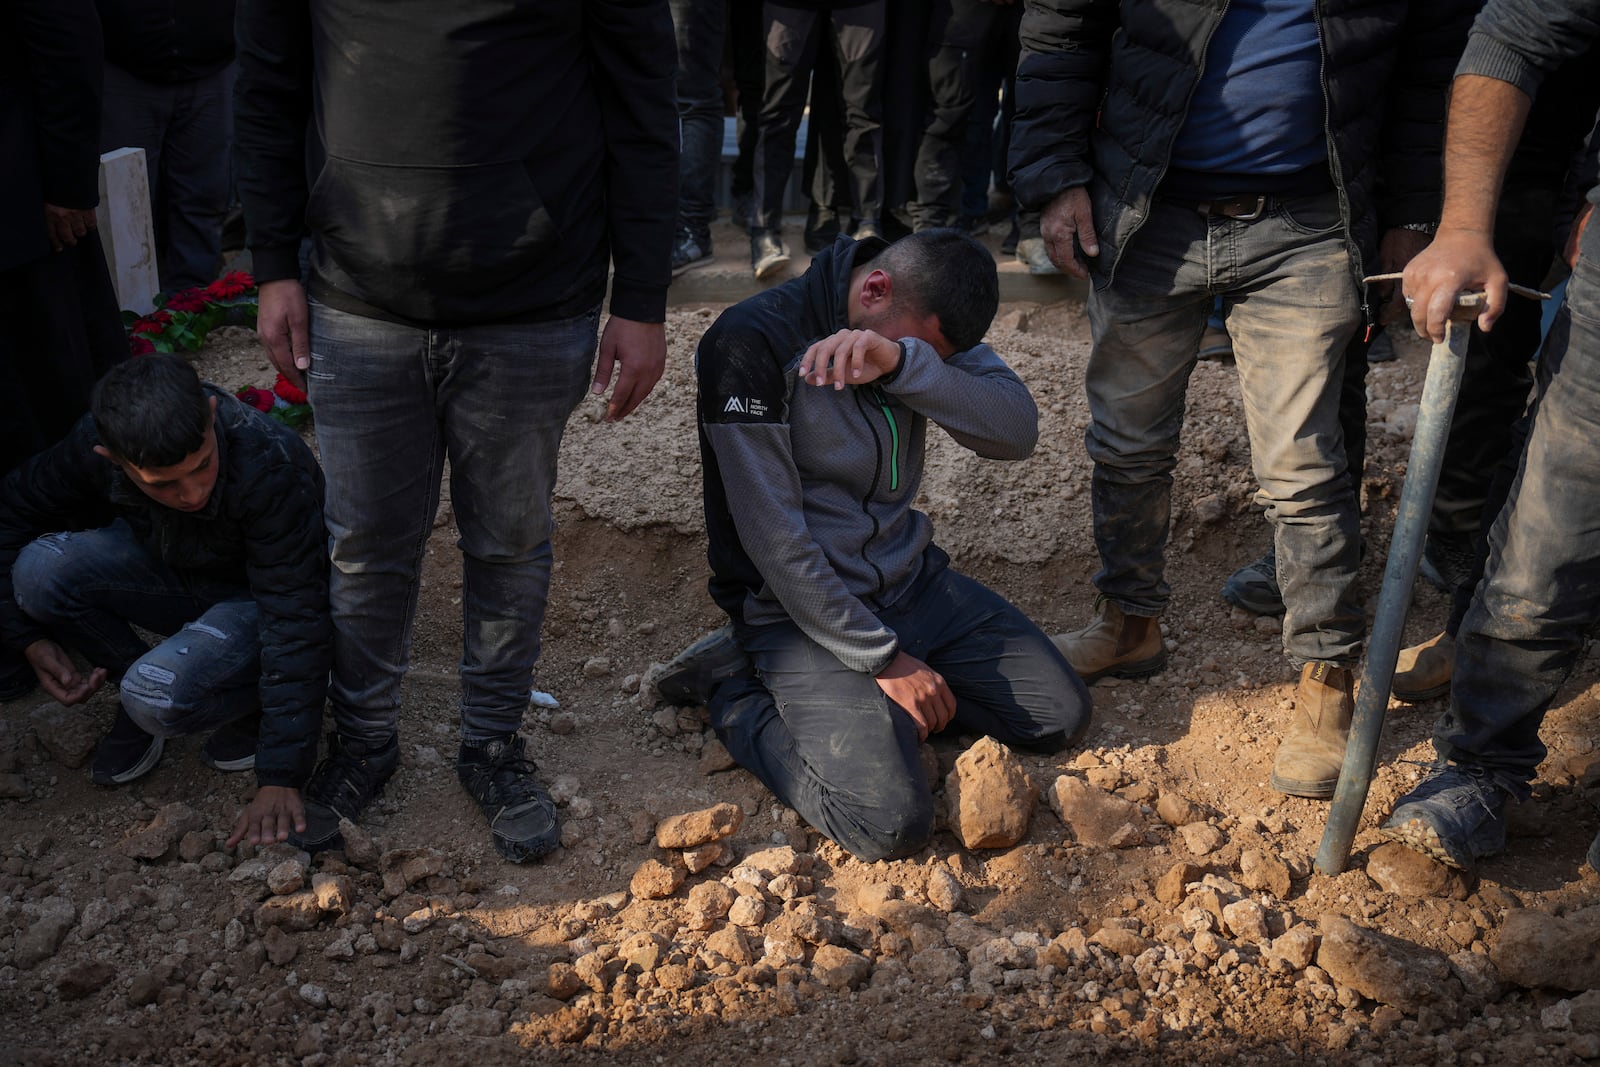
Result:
{"points": [[829, 743], [1540, 592], [90, 588], [1292, 306], [393, 402]]}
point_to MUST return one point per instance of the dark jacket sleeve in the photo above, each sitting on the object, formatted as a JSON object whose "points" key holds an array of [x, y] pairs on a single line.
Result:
{"points": [[61, 43], [1066, 45], [272, 109], [286, 564], [1412, 179], [635, 58], [62, 488]]}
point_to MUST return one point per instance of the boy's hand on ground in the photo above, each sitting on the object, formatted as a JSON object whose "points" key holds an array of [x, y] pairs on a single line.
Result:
{"points": [[850, 357], [637, 353], [275, 811], [283, 324], [921, 691], [59, 676]]}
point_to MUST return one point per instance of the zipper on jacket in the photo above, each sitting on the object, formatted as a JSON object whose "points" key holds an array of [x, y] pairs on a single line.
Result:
{"points": [[1335, 167], [894, 437], [872, 491]]}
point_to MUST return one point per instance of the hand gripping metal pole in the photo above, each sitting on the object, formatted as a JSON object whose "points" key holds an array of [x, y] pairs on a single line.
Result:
{"points": [[1399, 574]]}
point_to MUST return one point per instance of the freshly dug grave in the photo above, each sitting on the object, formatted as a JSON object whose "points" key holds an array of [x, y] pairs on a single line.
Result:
{"points": [[1159, 907]]}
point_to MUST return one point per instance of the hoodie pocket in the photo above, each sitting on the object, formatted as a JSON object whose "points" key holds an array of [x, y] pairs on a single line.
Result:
{"points": [[415, 240]]}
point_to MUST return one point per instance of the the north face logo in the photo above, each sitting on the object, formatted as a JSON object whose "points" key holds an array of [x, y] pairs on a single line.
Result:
{"points": [[734, 404]]}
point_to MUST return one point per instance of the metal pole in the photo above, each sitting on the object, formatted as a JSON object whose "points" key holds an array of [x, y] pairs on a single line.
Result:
{"points": [[1439, 391]]}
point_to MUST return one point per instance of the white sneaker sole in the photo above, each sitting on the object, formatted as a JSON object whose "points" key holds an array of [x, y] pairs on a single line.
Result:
{"points": [[146, 764]]}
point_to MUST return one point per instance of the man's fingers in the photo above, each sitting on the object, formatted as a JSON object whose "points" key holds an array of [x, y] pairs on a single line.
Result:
{"points": [[1084, 218], [240, 825]]}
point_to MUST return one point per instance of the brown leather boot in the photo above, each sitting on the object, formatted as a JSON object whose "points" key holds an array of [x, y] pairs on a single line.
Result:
{"points": [[1311, 753], [1423, 671], [1122, 646]]}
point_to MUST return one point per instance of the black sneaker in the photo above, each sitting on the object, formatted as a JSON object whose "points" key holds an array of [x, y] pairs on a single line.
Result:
{"points": [[522, 817], [692, 674], [743, 209], [690, 250], [126, 752], [1448, 560], [768, 254], [344, 783], [1008, 243], [233, 746], [1254, 587]]}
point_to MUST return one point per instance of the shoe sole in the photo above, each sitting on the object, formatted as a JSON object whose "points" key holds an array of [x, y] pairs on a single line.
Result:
{"points": [[230, 766], [146, 764], [1131, 672], [1418, 696], [1418, 836], [703, 261], [1308, 790]]}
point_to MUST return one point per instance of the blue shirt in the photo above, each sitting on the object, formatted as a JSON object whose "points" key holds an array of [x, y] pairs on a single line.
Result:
{"points": [[1259, 107]]}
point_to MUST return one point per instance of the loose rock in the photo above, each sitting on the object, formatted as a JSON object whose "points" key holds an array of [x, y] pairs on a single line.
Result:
{"points": [[162, 835], [655, 880], [1408, 873], [714, 757], [1384, 968], [1548, 951], [989, 796], [1094, 816], [944, 890], [839, 968], [84, 978], [1201, 838], [1258, 870], [696, 828], [68, 736]]}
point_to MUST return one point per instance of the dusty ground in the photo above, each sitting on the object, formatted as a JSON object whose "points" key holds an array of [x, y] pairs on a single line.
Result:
{"points": [[1047, 951]]}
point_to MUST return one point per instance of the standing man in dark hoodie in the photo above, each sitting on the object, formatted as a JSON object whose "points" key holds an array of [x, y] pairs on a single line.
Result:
{"points": [[815, 399], [486, 163]]}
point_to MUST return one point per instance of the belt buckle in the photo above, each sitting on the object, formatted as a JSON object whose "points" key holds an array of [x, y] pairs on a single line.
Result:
{"points": [[1234, 208]]}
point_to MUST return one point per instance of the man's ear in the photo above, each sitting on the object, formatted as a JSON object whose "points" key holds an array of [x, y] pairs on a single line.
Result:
{"points": [[877, 289]]}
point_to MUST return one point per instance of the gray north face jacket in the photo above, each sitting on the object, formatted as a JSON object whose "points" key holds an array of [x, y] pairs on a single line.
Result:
{"points": [[808, 490]]}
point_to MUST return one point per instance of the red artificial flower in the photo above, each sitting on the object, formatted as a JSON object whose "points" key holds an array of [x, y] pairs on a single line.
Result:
{"points": [[291, 393], [188, 300], [140, 345], [151, 323], [233, 284], [259, 399]]}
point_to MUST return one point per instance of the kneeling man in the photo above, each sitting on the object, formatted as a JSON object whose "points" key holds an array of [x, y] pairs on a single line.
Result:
{"points": [[174, 508], [814, 400]]}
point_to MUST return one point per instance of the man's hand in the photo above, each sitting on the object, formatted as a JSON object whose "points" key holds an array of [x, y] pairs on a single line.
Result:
{"points": [[1069, 216], [66, 224], [59, 676], [640, 349], [850, 357], [282, 323], [269, 816], [1397, 248], [1457, 261], [921, 691]]}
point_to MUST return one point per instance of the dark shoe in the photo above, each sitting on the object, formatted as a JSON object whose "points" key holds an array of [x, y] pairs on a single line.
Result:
{"points": [[1311, 753], [1032, 253], [1423, 671], [17, 678], [692, 674], [1115, 644], [233, 746], [822, 228], [344, 783], [126, 752], [1008, 244], [1457, 816], [743, 209], [1215, 344], [1254, 587], [768, 254], [1448, 560], [1381, 350], [522, 817], [690, 250]]}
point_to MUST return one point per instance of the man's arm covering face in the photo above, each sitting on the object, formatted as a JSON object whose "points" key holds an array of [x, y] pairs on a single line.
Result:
{"points": [[974, 396], [744, 410]]}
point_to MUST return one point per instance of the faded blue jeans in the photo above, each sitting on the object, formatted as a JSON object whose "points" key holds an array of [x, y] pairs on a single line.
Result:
{"points": [[393, 402], [828, 742], [1540, 591], [1291, 303], [90, 588]]}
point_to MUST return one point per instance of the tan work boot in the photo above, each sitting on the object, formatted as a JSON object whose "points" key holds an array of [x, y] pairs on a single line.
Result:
{"points": [[1311, 753], [1122, 646], [1423, 671]]}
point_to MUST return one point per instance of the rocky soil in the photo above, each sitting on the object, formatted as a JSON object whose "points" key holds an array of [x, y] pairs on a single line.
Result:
{"points": [[1145, 896]]}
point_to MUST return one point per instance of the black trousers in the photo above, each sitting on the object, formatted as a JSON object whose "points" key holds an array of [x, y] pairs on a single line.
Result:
{"points": [[957, 30]]}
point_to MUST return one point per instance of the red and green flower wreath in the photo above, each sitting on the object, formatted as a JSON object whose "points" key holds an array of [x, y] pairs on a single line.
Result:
{"points": [[181, 321]]}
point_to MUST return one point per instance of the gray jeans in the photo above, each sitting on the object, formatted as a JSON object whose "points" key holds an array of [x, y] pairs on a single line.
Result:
{"points": [[393, 402], [1291, 304]]}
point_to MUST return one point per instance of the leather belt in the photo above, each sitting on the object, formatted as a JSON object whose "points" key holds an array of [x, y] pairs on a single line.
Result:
{"points": [[1242, 208]]}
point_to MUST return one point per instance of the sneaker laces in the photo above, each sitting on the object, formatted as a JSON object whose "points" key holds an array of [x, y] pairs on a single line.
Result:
{"points": [[508, 776], [342, 781]]}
